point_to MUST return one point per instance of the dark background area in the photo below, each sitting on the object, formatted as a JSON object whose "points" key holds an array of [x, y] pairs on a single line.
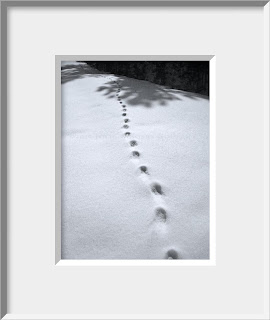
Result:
{"points": [[190, 76]]}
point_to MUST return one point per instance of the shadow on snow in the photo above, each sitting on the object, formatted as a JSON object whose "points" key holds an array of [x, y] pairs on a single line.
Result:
{"points": [[72, 72], [139, 92]]}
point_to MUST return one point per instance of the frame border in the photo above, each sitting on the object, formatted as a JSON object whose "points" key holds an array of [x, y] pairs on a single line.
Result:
{"points": [[72, 3]]}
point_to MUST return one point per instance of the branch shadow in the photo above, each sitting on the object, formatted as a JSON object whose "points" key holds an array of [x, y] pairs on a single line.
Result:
{"points": [[144, 93], [74, 71]]}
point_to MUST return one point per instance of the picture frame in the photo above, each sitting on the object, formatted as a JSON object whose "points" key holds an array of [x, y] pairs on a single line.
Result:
{"points": [[13, 302]]}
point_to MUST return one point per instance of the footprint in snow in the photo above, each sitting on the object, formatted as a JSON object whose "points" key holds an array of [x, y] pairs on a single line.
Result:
{"points": [[172, 254], [161, 215], [124, 114], [133, 143], [127, 134], [144, 169], [125, 126], [156, 188], [126, 120], [135, 154]]}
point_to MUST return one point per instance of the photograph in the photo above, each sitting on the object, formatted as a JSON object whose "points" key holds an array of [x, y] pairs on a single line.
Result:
{"points": [[135, 160]]}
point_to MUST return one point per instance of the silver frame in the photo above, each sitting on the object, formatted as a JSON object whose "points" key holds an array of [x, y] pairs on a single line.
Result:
{"points": [[66, 3]]}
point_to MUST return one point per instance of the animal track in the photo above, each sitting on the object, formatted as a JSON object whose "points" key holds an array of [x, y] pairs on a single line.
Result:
{"points": [[144, 169], [172, 254], [135, 154], [161, 215], [156, 188], [133, 143]]}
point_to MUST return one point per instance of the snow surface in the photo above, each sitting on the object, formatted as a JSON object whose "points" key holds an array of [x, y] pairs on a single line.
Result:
{"points": [[112, 209]]}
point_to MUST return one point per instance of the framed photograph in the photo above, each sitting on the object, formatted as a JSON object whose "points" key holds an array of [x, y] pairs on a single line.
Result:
{"points": [[135, 160], [113, 112]]}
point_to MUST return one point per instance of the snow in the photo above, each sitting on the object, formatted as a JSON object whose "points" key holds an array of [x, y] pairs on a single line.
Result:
{"points": [[112, 209]]}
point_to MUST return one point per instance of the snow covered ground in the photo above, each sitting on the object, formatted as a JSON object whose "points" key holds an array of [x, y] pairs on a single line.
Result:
{"points": [[140, 192]]}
